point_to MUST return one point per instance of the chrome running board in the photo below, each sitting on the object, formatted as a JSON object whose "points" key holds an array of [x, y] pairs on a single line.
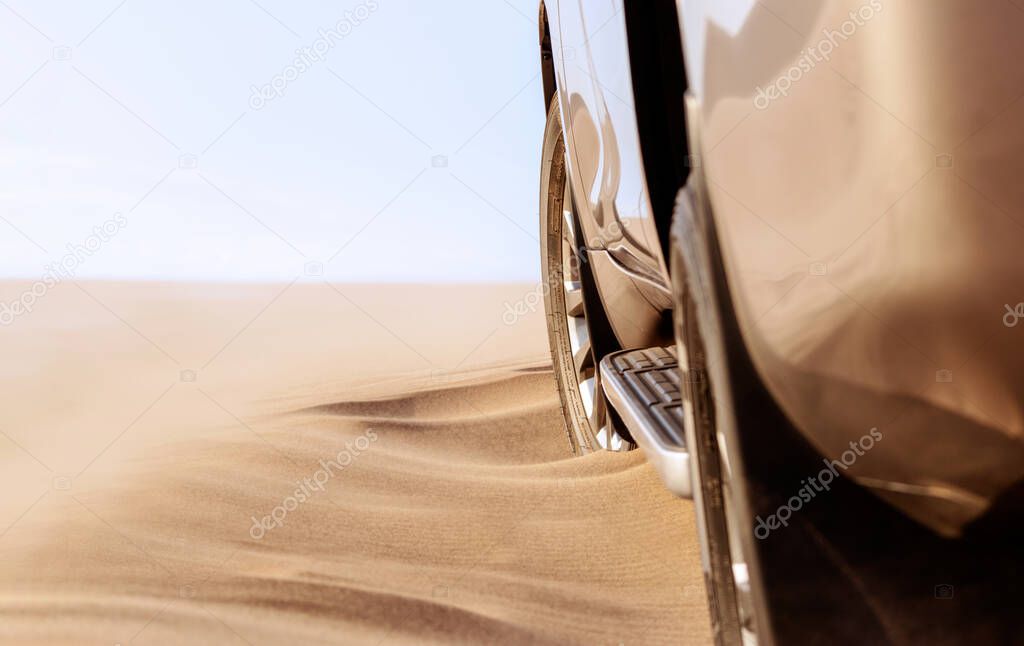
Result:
{"points": [[643, 387]]}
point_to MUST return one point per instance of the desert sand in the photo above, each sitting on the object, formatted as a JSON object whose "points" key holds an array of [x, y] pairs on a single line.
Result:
{"points": [[404, 442]]}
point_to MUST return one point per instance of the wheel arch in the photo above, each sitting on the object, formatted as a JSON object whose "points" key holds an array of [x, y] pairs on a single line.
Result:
{"points": [[659, 90]]}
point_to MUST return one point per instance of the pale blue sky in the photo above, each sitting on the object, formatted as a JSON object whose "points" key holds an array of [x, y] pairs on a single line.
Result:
{"points": [[341, 160]]}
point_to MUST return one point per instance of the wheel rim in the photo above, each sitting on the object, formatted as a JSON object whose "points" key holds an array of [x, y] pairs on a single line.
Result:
{"points": [[584, 359]]}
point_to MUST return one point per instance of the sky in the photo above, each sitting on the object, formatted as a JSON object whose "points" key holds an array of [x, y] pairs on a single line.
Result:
{"points": [[367, 140]]}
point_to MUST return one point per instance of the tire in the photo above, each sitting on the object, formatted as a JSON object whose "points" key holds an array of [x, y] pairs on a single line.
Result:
{"points": [[578, 330], [709, 497], [731, 571]]}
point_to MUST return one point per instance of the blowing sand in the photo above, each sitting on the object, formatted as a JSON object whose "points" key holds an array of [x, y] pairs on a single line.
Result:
{"points": [[143, 428]]}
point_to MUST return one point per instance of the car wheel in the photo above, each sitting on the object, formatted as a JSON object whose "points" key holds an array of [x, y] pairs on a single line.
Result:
{"points": [[578, 331], [735, 600]]}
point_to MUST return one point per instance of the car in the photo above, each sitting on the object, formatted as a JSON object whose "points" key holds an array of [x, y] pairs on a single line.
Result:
{"points": [[781, 252]]}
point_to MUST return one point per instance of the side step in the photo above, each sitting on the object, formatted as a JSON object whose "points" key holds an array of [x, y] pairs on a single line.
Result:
{"points": [[643, 387]]}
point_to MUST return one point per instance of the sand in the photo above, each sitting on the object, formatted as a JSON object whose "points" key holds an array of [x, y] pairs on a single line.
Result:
{"points": [[406, 439]]}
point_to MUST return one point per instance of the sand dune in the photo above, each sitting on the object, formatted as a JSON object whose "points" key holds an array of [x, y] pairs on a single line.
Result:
{"points": [[415, 474]]}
